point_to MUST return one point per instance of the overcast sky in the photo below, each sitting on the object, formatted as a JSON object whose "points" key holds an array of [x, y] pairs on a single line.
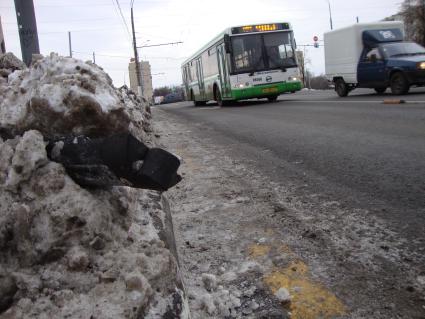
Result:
{"points": [[96, 25]]}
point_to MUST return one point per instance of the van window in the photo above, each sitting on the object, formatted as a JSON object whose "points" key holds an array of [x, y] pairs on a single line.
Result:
{"points": [[399, 49], [373, 52]]}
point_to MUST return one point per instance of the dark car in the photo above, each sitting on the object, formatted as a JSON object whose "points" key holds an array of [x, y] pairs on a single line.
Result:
{"points": [[172, 98]]}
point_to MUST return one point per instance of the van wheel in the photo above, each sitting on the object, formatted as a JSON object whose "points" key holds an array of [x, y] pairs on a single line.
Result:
{"points": [[380, 90], [341, 88], [399, 84]]}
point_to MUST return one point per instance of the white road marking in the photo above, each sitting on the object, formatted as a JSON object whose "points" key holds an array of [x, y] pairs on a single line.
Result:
{"points": [[347, 101], [209, 108]]}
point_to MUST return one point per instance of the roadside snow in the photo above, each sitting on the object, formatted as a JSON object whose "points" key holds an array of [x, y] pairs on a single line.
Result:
{"points": [[66, 251], [271, 252], [72, 97]]}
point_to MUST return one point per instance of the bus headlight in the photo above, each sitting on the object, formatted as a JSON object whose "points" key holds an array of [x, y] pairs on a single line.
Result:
{"points": [[292, 79], [421, 65]]}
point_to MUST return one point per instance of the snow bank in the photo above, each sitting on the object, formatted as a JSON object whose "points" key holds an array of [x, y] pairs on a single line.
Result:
{"points": [[65, 251], [59, 95], [10, 63]]}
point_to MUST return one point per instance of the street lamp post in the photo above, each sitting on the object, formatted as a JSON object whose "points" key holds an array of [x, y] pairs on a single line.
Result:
{"points": [[136, 57], [27, 26], [330, 14]]}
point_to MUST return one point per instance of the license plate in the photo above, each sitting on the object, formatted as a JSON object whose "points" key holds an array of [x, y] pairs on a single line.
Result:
{"points": [[270, 90]]}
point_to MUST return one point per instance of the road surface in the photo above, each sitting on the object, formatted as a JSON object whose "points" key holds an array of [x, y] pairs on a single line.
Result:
{"points": [[366, 155]]}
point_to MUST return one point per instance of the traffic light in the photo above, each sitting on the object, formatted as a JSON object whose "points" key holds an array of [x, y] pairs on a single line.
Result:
{"points": [[315, 39]]}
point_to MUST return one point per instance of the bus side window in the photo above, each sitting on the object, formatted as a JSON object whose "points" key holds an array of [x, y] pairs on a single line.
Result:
{"points": [[205, 64], [213, 61], [185, 74], [192, 71]]}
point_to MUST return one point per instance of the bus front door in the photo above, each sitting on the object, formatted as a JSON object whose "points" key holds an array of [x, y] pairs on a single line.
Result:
{"points": [[224, 72], [200, 76]]}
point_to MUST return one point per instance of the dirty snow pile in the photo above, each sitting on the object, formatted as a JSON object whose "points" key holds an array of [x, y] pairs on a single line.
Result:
{"points": [[66, 251], [8, 64], [59, 95]]}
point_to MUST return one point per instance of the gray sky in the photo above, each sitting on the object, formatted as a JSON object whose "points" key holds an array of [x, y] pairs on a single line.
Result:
{"points": [[96, 25]]}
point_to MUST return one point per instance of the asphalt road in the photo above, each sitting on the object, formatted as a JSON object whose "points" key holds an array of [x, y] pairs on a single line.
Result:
{"points": [[356, 149], [366, 156]]}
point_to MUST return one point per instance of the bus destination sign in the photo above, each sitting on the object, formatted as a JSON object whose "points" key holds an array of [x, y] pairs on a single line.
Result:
{"points": [[260, 28]]}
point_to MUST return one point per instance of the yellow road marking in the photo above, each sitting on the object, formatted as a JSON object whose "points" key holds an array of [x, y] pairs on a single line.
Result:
{"points": [[258, 250], [309, 300]]}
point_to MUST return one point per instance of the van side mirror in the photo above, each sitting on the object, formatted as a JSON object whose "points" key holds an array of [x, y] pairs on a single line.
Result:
{"points": [[227, 44], [373, 58]]}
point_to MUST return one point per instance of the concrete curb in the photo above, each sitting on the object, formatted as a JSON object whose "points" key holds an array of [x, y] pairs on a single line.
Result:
{"points": [[167, 233]]}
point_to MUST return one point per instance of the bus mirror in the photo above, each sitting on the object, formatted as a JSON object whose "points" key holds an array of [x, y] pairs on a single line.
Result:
{"points": [[227, 46]]}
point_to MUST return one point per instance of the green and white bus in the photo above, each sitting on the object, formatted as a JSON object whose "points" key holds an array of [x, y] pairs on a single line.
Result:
{"points": [[244, 62]]}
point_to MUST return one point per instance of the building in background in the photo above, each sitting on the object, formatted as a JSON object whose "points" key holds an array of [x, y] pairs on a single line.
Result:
{"points": [[145, 69], [2, 44], [394, 17], [412, 14]]}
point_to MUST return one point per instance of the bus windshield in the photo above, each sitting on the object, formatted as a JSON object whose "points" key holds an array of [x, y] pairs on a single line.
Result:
{"points": [[259, 52]]}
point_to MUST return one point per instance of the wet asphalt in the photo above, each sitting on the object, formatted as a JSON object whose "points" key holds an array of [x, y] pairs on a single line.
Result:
{"points": [[356, 150]]}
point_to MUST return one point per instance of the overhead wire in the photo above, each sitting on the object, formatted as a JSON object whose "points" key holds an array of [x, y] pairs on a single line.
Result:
{"points": [[123, 18], [128, 57], [61, 5]]}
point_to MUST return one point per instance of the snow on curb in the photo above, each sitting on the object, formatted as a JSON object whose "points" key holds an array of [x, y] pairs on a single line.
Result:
{"points": [[59, 95], [69, 252]]}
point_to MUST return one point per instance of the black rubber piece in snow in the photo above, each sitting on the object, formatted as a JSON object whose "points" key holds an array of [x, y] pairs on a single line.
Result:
{"points": [[159, 170], [101, 162], [119, 151]]}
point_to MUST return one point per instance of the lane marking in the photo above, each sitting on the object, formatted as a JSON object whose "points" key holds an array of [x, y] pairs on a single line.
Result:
{"points": [[258, 250], [348, 101], [309, 298], [208, 108]]}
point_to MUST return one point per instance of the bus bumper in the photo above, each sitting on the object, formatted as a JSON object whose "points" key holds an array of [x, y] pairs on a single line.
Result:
{"points": [[265, 90]]}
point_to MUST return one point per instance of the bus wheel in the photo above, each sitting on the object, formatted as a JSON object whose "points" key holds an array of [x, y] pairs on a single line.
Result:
{"points": [[272, 98], [192, 98], [219, 99], [200, 103]]}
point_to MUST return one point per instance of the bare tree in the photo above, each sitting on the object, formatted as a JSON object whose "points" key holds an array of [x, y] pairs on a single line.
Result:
{"points": [[303, 61], [413, 13]]}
